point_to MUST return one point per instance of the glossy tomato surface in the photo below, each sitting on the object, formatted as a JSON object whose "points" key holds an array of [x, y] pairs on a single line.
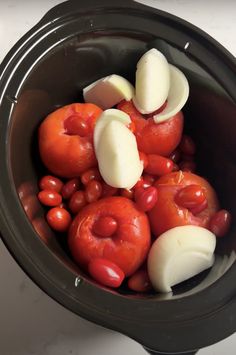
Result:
{"points": [[63, 153], [168, 214], [127, 247]]}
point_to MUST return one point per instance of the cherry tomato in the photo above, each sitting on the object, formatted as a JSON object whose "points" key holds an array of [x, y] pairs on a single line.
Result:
{"points": [[147, 198], [77, 201], [49, 182], [49, 198], [139, 281], [93, 191], [143, 158], [175, 156], [188, 166], [69, 188], [187, 145], [158, 165], [128, 193], [58, 219], [74, 125], [200, 208], [148, 180], [220, 223], [106, 272], [91, 174], [105, 226], [190, 196], [108, 191], [131, 127]]}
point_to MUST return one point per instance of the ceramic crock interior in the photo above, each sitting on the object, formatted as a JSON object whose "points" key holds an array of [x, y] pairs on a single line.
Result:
{"points": [[58, 79]]}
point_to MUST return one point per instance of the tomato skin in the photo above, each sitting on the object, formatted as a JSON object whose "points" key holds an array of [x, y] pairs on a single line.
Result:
{"points": [[128, 193], [49, 198], [50, 182], [59, 219], [91, 174], [106, 272], [128, 248], [143, 158], [166, 214], [105, 226], [93, 191], [69, 188], [220, 223], [108, 191], [158, 165], [154, 138], [77, 201], [199, 208], [63, 154], [190, 196], [147, 198], [187, 145], [139, 281]]}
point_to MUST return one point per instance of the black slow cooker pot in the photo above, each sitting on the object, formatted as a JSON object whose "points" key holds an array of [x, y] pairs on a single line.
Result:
{"points": [[76, 43]]}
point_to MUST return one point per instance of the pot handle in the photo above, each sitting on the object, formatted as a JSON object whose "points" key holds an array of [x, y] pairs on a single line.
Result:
{"points": [[72, 6]]}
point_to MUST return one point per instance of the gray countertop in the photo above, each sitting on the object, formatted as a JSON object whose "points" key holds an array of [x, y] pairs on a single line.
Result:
{"points": [[31, 323]]}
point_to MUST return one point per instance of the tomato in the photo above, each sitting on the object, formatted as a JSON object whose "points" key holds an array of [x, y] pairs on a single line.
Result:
{"points": [[153, 138], [74, 125], [128, 193], [108, 191], [139, 281], [49, 182], [148, 180], [127, 247], [166, 214], [158, 165], [106, 272], [131, 127], [69, 188], [105, 226], [64, 154], [147, 198], [93, 191], [77, 201], [187, 145], [49, 198], [220, 223], [199, 208], [58, 219], [188, 166], [91, 174], [143, 159], [190, 196]]}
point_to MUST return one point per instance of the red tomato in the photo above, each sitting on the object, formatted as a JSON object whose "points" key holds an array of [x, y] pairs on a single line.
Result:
{"points": [[158, 165], [190, 196], [188, 166], [49, 198], [166, 214], [147, 198], [128, 193], [139, 281], [127, 248], [58, 219], [187, 145], [152, 138], [77, 201], [148, 180], [108, 191], [143, 158], [199, 208], [74, 125], [91, 174], [131, 127], [220, 223], [49, 182], [105, 226], [93, 191], [69, 188], [63, 154], [106, 272]]}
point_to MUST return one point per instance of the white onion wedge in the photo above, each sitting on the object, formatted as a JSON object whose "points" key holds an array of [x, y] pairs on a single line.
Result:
{"points": [[106, 117], [108, 91], [152, 82], [118, 156], [179, 254], [177, 96]]}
